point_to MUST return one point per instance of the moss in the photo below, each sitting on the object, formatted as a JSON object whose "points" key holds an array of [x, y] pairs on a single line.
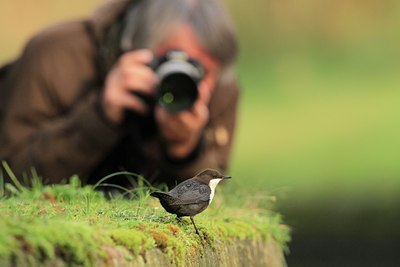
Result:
{"points": [[79, 226], [133, 240], [75, 243], [7, 241]]}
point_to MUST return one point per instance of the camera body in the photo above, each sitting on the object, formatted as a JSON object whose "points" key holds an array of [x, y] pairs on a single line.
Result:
{"points": [[179, 76]]}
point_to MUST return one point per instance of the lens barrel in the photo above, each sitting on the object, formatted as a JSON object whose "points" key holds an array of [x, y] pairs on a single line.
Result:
{"points": [[179, 77]]}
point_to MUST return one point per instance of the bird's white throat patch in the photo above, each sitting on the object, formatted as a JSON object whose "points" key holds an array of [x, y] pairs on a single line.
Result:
{"points": [[213, 184]]}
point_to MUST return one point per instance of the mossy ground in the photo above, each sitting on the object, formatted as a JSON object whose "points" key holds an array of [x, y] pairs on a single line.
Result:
{"points": [[80, 226]]}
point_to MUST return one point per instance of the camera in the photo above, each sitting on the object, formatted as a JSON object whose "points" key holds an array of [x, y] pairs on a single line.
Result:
{"points": [[179, 76]]}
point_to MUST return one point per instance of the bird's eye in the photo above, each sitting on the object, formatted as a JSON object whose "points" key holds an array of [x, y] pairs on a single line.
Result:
{"points": [[188, 185]]}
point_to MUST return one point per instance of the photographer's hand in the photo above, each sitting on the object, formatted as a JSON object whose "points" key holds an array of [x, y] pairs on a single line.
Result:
{"points": [[130, 74]]}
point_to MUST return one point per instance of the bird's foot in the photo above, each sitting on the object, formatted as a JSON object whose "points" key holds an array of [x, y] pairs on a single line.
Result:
{"points": [[180, 220]]}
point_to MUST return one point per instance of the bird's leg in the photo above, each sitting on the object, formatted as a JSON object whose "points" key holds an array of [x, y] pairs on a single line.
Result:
{"points": [[195, 228], [197, 232], [179, 219]]}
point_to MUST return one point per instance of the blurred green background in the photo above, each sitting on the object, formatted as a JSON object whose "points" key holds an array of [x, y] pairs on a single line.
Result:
{"points": [[319, 119]]}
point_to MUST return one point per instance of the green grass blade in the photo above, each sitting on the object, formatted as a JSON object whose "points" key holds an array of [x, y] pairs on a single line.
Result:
{"points": [[113, 175], [12, 176]]}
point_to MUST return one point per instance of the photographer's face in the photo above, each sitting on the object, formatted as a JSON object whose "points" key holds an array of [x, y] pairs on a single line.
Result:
{"points": [[183, 38]]}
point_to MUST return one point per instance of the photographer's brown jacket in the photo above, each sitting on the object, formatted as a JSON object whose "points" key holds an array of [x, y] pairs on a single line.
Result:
{"points": [[50, 119]]}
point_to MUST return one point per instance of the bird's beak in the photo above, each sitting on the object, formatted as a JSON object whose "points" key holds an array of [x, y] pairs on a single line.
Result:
{"points": [[227, 177]]}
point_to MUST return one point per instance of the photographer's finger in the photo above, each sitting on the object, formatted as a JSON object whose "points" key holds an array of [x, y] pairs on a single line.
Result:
{"points": [[204, 94], [140, 86], [143, 56], [139, 79], [134, 103], [202, 112]]}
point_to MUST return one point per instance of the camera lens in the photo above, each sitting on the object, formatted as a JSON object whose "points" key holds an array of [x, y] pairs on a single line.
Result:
{"points": [[179, 77], [178, 92]]}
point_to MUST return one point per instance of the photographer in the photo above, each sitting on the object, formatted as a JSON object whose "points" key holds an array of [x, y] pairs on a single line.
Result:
{"points": [[84, 97]]}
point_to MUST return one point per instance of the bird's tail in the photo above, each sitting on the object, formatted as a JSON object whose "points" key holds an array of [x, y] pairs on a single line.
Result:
{"points": [[162, 195]]}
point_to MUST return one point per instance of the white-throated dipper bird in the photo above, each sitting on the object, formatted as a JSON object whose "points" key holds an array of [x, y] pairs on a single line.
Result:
{"points": [[191, 196]]}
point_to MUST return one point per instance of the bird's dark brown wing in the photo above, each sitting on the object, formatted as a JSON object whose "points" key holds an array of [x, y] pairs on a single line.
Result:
{"points": [[192, 192]]}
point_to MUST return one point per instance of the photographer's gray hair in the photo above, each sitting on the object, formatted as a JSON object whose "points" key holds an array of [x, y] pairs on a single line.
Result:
{"points": [[149, 22]]}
